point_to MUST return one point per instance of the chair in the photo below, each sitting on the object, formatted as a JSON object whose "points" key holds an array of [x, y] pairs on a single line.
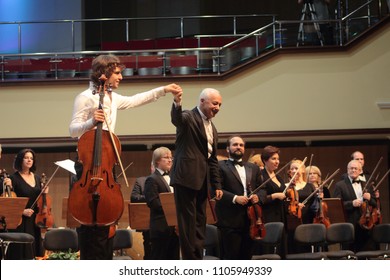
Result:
{"points": [[123, 239], [61, 239], [6, 238], [381, 236], [342, 234], [212, 248], [273, 237], [313, 235]]}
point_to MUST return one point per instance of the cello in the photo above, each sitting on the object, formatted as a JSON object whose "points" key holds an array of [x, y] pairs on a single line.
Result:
{"points": [[96, 198]]}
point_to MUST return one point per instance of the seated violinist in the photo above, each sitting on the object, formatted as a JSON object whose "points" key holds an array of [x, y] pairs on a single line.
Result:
{"points": [[237, 229], [355, 198]]}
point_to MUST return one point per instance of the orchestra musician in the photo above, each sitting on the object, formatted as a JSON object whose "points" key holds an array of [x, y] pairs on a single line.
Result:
{"points": [[238, 179], [313, 173], [195, 168], [26, 183], [350, 191], [96, 241], [303, 188], [164, 240], [272, 196]]}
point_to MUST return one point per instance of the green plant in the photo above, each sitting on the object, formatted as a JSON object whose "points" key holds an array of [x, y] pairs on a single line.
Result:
{"points": [[63, 255]]}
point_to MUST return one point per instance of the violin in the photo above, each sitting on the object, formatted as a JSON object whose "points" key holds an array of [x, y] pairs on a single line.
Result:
{"points": [[255, 214], [7, 190], [292, 197], [366, 220], [322, 214], [44, 218], [96, 198]]}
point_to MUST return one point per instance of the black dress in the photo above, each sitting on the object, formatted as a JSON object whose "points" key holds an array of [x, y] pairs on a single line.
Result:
{"points": [[23, 189]]}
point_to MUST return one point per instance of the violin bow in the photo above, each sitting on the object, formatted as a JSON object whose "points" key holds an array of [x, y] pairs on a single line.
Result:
{"points": [[45, 187], [295, 174], [270, 178], [381, 180], [130, 164], [372, 175]]}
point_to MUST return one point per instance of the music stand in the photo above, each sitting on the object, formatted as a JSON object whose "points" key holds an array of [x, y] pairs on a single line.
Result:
{"points": [[336, 213], [169, 207], [11, 211], [139, 216]]}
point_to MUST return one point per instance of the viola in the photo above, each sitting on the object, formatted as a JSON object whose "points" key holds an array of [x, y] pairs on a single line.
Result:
{"points": [[255, 215], [7, 190], [96, 198], [44, 218]]}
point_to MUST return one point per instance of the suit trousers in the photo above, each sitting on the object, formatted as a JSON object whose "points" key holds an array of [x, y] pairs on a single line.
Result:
{"points": [[191, 217]]}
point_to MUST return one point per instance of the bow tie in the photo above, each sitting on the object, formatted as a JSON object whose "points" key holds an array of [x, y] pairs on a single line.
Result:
{"points": [[240, 163], [356, 181], [165, 173]]}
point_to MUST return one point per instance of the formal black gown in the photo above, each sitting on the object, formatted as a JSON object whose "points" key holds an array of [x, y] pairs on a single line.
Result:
{"points": [[23, 189]]}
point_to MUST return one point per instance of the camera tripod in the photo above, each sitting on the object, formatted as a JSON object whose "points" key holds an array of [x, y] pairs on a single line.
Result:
{"points": [[309, 11]]}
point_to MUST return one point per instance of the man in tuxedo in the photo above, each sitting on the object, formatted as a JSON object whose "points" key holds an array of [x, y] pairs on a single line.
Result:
{"points": [[350, 190], [238, 180], [195, 168], [164, 240]]}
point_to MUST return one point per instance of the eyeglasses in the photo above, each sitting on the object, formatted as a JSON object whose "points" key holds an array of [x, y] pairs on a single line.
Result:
{"points": [[168, 158]]}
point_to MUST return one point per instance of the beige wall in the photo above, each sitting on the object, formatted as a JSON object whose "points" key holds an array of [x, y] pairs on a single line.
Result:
{"points": [[289, 92]]}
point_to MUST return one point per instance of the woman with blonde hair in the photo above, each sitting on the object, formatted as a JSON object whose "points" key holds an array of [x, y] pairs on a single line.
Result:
{"points": [[313, 174]]}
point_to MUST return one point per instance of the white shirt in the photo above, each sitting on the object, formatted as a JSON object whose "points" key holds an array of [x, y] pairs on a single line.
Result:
{"points": [[86, 103], [166, 178], [241, 172], [357, 187], [209, 132]]}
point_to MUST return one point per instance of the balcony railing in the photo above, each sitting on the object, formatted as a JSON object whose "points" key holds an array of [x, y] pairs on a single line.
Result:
{"points": [[200, 55]]}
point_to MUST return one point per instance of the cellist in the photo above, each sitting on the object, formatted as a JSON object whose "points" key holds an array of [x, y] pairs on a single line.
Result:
{"points": [[96, 241], [238, 180]]}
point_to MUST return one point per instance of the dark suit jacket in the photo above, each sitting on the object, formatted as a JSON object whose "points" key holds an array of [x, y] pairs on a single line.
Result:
{"points": [[191, 164], [154, 185], [344, 190], [138, 193], [229, 214]]}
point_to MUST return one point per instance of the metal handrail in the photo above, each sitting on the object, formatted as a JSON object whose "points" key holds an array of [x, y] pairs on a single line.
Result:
{"points": [[127, 20], [216, 52]]}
